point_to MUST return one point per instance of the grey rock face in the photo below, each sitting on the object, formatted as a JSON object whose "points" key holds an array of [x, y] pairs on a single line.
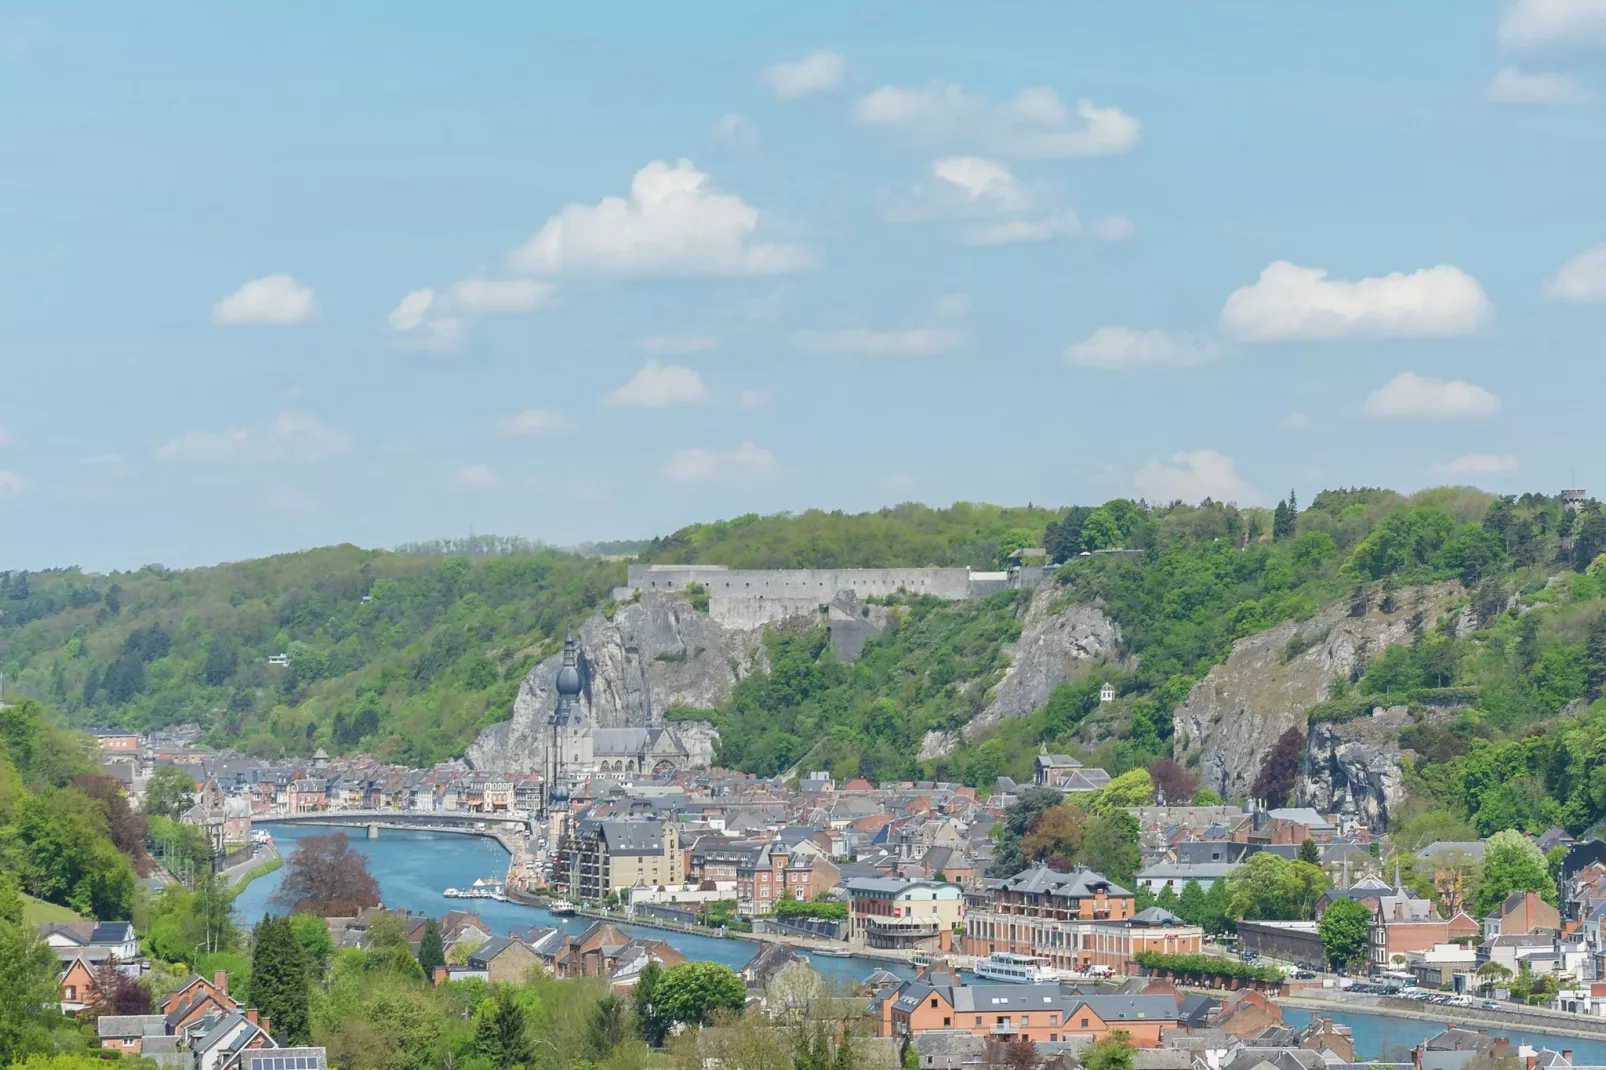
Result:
{"points": [[1360, 756], [935, 744], [1057, 643], [653, 654], [1234, 715]]}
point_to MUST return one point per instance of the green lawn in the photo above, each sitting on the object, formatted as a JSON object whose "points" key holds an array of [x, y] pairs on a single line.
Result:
{"points": [[35, 911]]}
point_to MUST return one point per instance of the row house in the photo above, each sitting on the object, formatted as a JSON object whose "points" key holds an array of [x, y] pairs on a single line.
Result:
{"points": [[1042, 1014], [306, 796]]}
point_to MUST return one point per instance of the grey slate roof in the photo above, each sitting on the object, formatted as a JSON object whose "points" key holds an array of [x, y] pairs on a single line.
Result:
{"points": [[130, 1025]]}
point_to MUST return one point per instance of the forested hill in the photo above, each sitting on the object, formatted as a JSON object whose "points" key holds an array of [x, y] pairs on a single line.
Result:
{"points": [[405, 655]]}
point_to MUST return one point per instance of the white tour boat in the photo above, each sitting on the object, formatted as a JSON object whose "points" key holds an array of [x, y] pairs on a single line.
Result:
{"points": [[560, 906], [1016, 969]]}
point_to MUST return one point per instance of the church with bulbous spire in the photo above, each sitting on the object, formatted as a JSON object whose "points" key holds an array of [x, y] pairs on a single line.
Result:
{"points": [[577, 749]]}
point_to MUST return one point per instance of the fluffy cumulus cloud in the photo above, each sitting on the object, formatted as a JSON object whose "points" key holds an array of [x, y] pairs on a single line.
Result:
{"points": [[1477, 464], [1194, 476], [438, 320], [746, 462], [11, 484], [1532, 23], [1293, 302], [1409, 396], [271, 301], [537, 423], [659, 386], [1512, 86], [996, 206], [818, 72], [672, 223], [1035, 123], [1122, 347], [290, 437], [476, 477], [1583, 278]]}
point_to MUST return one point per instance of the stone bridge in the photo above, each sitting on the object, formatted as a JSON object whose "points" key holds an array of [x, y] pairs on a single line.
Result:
{"points": [[418, 820]]}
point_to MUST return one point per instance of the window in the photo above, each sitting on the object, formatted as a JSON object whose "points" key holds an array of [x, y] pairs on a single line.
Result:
{"points": [[1084, 1023], [978, 1019], [946, 1022], [933, 1002]]}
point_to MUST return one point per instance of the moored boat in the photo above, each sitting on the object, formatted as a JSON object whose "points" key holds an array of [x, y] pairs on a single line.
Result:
{"points": [[1015, 969]]}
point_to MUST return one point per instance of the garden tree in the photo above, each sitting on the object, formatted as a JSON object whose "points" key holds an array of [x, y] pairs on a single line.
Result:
{"points": [[126, 828], [1271, 888], [389, 950], [1491, 975], [610, 1025], [1309, 852], [692, 991], [28, 965], [188, 923], [1131, 788], [1110, 846], [183, 849], [326, 876], [1278, 772], [1015, 1053], [1512, 862], [1100, 531], [499, 1031], [169, 792], [317, 946], [1055, 836], [65, 856], [1018, 817], [1345, 930], [431, 948], [1206, 797], [278, 981], [1190, 902], [643, 1002], [1114, 1052], [1173, 783], [118, 993]]}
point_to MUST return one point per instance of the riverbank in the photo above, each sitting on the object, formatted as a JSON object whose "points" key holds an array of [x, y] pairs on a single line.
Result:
{"points": [[1509, 1016], [251, 870]]}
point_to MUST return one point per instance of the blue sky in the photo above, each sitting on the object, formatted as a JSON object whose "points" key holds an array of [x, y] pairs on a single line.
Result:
{"points": [[281, 277]]}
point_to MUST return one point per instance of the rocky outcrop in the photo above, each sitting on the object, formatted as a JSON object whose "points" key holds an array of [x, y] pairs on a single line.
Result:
{"points": [[1058, 641], [1234, 715], [1360, 757], [654, 653]]}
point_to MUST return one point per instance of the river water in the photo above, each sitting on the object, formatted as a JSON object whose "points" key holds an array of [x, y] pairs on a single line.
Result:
{"points": [[414, 868], [1381, 1036]]}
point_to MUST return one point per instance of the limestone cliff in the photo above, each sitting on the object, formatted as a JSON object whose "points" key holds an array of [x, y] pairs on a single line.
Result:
{"points": [[1058, 641], [654, 653], [1361, 757], [1234, 715]]}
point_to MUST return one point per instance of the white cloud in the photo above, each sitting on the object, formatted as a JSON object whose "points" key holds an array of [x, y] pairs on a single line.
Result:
{"points": [[753, 399], [498, 295], [11, 484], [1035, 123], [476, 477], [296, 437], [658, 386], [1014, 231], [534, 423], [1411, 397], [911, 342], [1529, 23], [1115, 228], [409, 312], [1583, 278], [1296, 421], [1477, 464], [818, 72], [737, 131], [1511, 86], [1195, 476], [1122, 347], [676, 345], [673, 223], [700, 465], [273, 301], [1290, 302], [984, 181]]}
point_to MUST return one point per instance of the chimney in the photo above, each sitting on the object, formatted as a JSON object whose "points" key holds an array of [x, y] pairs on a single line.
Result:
{"points": [[267, 1025], [1567, 1053], [220, 981], [251, 1015]]}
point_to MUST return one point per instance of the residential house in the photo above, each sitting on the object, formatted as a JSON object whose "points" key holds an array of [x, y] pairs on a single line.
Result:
{"points": [[126, 1033], [1522, 913], [598, 856], [1176, 875], [504, 959], [1040, 1013]]}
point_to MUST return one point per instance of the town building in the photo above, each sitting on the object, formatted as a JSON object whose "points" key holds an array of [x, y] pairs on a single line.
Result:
{"points": [[1041, 1013], [890, 912], [602, 855]]}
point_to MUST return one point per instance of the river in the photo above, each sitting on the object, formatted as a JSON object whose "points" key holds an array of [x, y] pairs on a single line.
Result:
{"points": [[1382, 1036], [413, 868]]}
